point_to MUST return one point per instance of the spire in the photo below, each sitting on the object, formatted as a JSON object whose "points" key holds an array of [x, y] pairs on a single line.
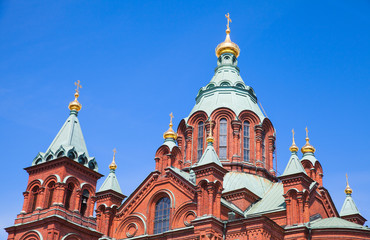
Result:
{"points": [[294, 148], [170, 134], [111, 182], [210, 138], [75, 106], [349, 207], [294, 165], [227, 46], [308, 148], [209, 155]]}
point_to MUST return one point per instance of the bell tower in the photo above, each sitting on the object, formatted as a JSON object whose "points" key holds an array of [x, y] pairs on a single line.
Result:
{"points": [[60, 195]]}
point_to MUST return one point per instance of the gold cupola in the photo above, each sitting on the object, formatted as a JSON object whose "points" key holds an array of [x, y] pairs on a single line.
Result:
{"points": [[170, 133], [227, 46], [307, 148], [75, 105], [294, 148], [113, 165], [348, 190]]}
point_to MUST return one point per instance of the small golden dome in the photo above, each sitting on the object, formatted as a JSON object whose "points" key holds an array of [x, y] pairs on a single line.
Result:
{"points": [[227, 46], [75, 105], [170, 133], [294, 147], [348, 190], [307, 147], [113, 165]]}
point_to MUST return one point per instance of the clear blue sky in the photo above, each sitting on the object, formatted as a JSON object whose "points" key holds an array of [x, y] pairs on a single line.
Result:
{"points": [[308, 61]]}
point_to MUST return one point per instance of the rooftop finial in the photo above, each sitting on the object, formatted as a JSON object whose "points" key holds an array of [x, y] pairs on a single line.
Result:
{"points": [[170, 133], [348, 190], [113, 165], [294, 147], [308, 147], [210, 138], [75, 106], [227, 46]]}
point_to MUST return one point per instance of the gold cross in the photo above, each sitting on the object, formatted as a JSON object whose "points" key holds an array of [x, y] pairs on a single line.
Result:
{"points": [[228, 20], [347, 179], [210, 126], [114, 153], [171, 115], [306, 132], [78, 86]]}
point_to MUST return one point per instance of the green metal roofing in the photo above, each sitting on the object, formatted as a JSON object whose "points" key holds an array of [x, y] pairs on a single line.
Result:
{"points": [[209, 156], [227, 89], [170, 143], [309, 156], [294, 166], [349, 207], [111, 183], [335, 222]]}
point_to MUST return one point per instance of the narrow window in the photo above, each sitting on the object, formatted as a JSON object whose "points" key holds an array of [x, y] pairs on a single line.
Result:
{"points": [[34, 195], [263, 148], [162, 215], [200, 139], [83, 204], [223, 138], [68, 196], [50, 193], [246, 141]]}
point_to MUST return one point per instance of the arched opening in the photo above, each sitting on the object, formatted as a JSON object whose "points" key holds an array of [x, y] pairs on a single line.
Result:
{"points": [[83, 203], [223, 139], [69, 191], [200, 139], [246, 141], [34, 195], [50, 194], [162, 215], [60, 154]]}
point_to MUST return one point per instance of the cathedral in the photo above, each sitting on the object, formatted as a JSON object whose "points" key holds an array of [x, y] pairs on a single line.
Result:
{"points": [[214, 179]]}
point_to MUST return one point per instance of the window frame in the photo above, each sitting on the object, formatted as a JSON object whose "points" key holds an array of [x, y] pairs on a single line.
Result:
{"points": [[222, 143], [162, 210]]}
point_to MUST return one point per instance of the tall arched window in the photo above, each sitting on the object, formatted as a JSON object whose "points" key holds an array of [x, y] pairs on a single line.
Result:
{"points": [[34, 194], [69, 192], [223, 138], [263, 148], [162, 215], [246, 141], [83, 204], [200, 139], [50, 193]]}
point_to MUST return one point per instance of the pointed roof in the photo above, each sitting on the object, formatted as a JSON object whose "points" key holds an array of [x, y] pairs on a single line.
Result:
{"points": [[349, 207], [70, 135], [111, 182], [209, 156], [294, 166]]}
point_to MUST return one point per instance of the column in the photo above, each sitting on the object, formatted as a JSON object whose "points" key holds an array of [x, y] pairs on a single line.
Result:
{"points": [[59, 193], [210, 190], [188, 140], [25, 202], [271, 149], [40, 199], [258, 130]]}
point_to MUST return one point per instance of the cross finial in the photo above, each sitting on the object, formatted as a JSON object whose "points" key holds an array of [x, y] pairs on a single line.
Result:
{"points": [[210, 127], [78, 86], [228, 21], [293, 134], [171, 116], [306, 132], [113, 165], [347, 179], [114, 153]]}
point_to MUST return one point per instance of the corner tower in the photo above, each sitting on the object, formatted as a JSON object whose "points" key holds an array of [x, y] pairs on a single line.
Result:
{"points": [[244, 136], [60, 195]]}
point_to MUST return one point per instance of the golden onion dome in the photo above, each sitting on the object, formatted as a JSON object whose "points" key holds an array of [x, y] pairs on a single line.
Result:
{"points": [[170, 133], [307, 148], [348, 190], [294, 147], [75, 105], [227, 46], [113, 165]]}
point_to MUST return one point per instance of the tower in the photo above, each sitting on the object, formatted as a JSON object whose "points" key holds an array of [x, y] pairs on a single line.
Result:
{"points": [[60, 195]]}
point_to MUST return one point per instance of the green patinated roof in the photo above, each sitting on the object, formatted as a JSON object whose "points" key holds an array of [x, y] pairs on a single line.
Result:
{"points": [[349, 207], [294, 166], [111, 183], [169, 143], [227, 89], [309, 156], [209, 156], [68, 142], [335, 222]]}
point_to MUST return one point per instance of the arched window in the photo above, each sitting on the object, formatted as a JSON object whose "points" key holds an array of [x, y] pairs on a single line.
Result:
{"points": [[200, 139], [246, 141], [69, 192], [263, 148], [83, 204], [223, 138], [34, 194], [50, 193], [162, 215]]}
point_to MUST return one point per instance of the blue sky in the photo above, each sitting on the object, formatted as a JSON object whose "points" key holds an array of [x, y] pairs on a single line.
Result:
{"points": [[308, 62]]}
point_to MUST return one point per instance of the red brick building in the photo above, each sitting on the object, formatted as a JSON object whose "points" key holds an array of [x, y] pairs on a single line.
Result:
{"points": [[213, 179]]}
